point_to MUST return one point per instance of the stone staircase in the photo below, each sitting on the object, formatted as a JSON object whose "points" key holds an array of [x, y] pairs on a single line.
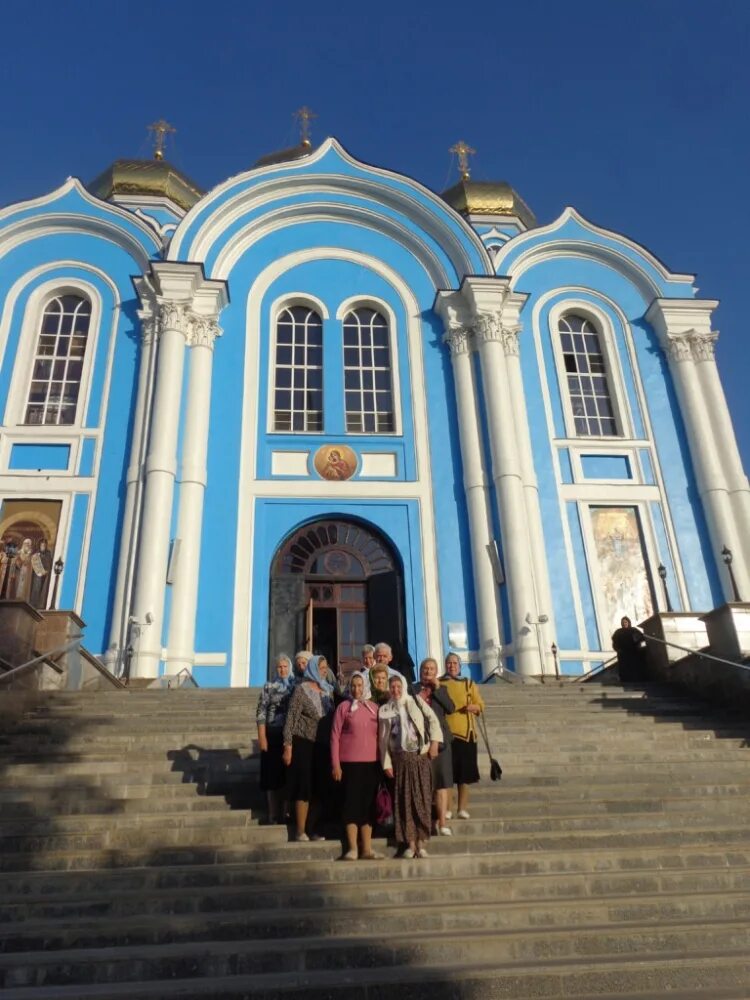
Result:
{"points": [[613, 860]]}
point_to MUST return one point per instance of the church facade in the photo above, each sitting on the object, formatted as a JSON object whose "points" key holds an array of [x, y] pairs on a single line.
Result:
{"points": [[322, 404]]}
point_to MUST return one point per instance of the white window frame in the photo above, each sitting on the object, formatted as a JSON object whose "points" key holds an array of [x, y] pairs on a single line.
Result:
{"points": [[39, 299], [614, 374], [381, 306], [290, 301]]}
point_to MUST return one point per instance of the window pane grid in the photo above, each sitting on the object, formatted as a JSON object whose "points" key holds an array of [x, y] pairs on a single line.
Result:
{"points": [[368, 393], [298, 390], [588, 387], [58, 361]]}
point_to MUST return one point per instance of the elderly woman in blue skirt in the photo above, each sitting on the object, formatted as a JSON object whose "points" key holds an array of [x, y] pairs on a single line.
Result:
{"points": [[270, 716]]}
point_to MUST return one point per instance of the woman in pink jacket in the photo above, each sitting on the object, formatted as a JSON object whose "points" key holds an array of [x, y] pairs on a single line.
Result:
{"points": [[354, 762]]}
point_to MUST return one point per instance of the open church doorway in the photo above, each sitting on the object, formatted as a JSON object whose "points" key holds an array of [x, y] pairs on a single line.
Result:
{"points": [[335, 585]]}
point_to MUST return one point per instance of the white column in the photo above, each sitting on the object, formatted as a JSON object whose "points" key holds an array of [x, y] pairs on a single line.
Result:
{"points": [[724, 436], [537, 549], [181, 646], [133, 480], [707, 461], [475, 488], [161, 466], [506, 472]]}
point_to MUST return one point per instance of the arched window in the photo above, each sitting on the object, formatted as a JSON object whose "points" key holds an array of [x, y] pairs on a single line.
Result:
{"points": [[588, 382], [367, 372], [298, 388], [58, 361]]}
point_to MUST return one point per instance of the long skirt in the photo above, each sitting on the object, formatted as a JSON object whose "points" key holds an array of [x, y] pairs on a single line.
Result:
{"points": [[465, 767], [442, 769], [412, 799], [272, 770], [360, 786], [308, 775]]}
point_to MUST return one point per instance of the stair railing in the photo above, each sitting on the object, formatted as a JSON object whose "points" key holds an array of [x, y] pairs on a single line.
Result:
{"points": [[595, 670], [697, 652], [9, 676]]}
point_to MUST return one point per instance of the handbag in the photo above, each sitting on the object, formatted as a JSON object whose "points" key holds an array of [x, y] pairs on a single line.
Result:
{"points": [[383, 806], [496, 772]]}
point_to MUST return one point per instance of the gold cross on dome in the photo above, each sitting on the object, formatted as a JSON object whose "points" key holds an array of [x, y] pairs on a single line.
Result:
{"points": [[304, 116], [463, 152], [161, 130]]}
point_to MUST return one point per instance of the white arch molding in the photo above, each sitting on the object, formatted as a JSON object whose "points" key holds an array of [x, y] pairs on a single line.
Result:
{"points": [[250, 488]]}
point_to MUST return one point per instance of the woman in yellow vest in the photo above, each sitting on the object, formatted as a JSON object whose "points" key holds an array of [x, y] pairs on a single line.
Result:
{"points": [[465, 695]]}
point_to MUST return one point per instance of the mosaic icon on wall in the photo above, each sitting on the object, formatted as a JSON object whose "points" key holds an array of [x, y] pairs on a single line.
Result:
{"points": [[335, 462], [28, 535], [625, 585]]}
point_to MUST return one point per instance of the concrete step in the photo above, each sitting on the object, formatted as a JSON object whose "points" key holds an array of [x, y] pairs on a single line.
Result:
{"points": [[354, 917], [279, 899], [722, 979], [373, 945]]}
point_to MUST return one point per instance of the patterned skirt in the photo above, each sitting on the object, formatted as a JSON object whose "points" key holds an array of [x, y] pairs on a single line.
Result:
{"points": [[412, 798]]}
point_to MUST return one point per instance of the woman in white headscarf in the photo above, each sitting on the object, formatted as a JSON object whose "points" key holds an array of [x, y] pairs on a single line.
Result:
{"points": [[409, 736]]}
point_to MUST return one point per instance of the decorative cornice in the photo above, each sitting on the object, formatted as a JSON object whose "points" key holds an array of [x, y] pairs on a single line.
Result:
{"points": [[458, 339]]}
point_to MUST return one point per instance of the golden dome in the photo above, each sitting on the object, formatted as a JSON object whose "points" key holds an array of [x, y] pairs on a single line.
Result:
{"points": [[147, 177], [488, 198]]}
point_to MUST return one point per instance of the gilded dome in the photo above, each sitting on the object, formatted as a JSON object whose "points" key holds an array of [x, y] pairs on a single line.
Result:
{"points": [[488, 198], [146, 177]]}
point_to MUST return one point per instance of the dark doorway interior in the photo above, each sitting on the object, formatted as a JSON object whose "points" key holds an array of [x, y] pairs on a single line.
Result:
{"points": [[325, 634], [344, 579]]}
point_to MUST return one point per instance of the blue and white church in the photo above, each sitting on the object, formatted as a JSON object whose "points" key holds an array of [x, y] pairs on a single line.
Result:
{"points": [[322, 403]]}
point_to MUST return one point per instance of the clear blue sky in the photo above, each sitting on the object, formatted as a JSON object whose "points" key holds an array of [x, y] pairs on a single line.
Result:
{"points": [[633, 111]]}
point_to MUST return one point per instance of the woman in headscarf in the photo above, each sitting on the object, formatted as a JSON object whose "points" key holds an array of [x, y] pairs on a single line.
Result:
{"points": [[354, 762], [301, 660], [465, 695], [433, 692], [628, 643], [378, 682], [307, 733], [408, 738], [270, 716]]}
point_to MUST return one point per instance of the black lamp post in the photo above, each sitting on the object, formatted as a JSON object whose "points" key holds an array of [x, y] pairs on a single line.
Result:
{"points": [[726, 555], [58, 568], [553, 649], [663, 574]]}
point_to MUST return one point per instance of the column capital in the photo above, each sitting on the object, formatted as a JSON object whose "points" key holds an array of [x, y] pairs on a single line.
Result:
{"points": [[675, 317], [488, 326], [703, 345], [458, 339], [175, 316], [203, 331], [679, 348]]}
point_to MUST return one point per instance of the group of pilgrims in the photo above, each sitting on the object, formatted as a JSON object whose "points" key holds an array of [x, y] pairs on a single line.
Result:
{"points": [[373, 749]]}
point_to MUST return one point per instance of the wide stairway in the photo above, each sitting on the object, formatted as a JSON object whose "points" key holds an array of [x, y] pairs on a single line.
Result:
{"points": [[613, 860]]}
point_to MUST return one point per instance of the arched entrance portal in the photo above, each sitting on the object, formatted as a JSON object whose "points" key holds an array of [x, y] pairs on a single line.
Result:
{"points": [[335, 585]]}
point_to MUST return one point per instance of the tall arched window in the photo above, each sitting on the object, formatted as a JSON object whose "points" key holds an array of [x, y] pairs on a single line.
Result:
{"points": [[58, 361], [588, 383], [367, 372], [298, 386]]}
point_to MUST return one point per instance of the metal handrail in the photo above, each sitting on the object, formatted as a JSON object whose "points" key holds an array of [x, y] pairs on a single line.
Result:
{"points": [[595, 670], [11, 674], [696, 652], [187, 673]]}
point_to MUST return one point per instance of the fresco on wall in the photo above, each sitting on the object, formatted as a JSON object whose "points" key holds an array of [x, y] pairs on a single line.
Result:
{"points": [[28, 535], [624, 583]]}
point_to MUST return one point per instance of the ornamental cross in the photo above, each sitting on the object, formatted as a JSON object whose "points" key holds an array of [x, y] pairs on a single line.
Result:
{"points": [[463, 152], [304, 116], [161, 130]]}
